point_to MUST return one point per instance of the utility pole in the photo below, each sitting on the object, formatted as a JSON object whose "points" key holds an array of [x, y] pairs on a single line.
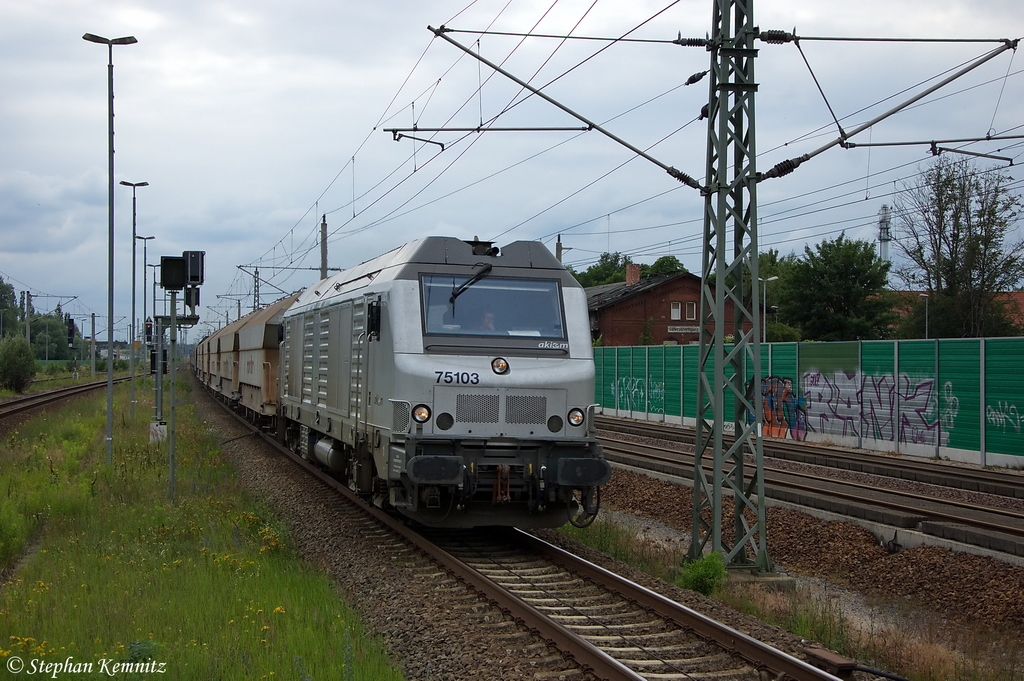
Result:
{"points": [[730, 376], [28, 316], [256, 290], [92, 347], [559, 250], [173, 377], [323, 247]]}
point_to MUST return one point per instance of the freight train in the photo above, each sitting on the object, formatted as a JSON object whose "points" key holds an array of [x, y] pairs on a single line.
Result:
{"points": [[447, 380]]}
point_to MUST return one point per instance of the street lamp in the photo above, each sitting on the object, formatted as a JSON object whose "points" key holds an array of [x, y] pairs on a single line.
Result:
{"points": [[127, 40], [143, 239], [925, 296], [764, 331], [133, 331]]}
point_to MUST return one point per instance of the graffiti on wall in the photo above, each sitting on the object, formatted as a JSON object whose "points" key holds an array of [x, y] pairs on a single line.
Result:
{"points": [[873, 407], [784, 413], [950, 407], [1005, 416], [634, 394]]}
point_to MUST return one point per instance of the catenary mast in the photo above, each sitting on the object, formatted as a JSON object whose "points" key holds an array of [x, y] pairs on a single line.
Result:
{"points": [[729, 385]]}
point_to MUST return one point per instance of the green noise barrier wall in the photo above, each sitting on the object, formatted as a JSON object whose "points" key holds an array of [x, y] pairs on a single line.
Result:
{"points": [[961, 399]]}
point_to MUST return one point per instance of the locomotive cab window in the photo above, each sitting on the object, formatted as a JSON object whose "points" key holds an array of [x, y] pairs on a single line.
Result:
{"points": [[458, 305]]}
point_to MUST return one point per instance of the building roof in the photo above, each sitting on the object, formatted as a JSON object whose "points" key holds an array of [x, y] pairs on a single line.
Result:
{"points": [[599, 297]]}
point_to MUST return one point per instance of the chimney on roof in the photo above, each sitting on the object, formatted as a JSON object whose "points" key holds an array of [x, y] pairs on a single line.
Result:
{"points": [[632, 274]]}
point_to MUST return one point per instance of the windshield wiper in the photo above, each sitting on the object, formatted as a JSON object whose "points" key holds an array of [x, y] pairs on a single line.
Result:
{"points": [[456, 292]]}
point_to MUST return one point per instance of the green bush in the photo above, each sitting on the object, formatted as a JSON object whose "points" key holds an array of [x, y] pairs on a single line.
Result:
{"points": [[706, 575], [781, 333], [17, 365]]}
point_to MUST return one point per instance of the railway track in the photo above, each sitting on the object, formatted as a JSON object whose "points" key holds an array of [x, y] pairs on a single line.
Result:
{"points": [[1000, 482], [608, 626], [23, 404], [984, 525], [646, 635]]}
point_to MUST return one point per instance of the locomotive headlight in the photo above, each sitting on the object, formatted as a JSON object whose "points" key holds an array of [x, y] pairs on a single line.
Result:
{"points": [[499, 365], [421, 413], [576, 417]]}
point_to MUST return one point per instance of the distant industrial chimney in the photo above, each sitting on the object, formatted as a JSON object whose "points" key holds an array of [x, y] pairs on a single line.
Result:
{"points": [[632, 274], [884, 236]]}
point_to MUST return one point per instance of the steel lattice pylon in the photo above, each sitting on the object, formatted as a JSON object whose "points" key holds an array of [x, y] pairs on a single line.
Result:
{"points": [[729, 377]]}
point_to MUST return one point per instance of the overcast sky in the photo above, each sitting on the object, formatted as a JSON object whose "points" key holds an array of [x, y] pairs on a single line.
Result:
{"points": [[252, 120]]}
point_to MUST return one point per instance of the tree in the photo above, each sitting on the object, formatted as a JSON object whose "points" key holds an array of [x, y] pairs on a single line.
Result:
{"points": [[8, 310], [952, 228], [50, 337], [770, 265], [781, 333], [17, 365], [610, 268], [837, 292], [666, 264]]}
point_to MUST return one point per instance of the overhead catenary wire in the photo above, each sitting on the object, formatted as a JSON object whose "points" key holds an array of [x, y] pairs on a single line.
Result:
{"points": [[349, 232], [941, 41], [297, 255], [339, 230]]}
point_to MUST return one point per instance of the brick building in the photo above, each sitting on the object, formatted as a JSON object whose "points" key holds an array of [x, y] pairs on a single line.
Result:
{"points": [[618, 312]]}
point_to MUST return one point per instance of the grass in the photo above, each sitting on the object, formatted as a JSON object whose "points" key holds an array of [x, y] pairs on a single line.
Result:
{"points": [[920, 648], [45, 381], [621, 543], [208, 585]]}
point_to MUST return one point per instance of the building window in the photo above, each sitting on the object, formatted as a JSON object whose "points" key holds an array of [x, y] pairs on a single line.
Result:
{"points": [[676, 312], [691, 310]]}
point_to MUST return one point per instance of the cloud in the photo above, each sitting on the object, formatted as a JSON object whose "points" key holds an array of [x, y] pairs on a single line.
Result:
{"points": [[253, 120]]}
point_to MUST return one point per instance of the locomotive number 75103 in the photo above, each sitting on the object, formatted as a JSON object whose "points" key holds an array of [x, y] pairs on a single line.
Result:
{"points": [[457, 377]]}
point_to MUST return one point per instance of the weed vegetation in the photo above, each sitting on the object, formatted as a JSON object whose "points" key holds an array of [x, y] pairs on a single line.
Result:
{"points": [[102, 569], [916, 647], [705, 575]]}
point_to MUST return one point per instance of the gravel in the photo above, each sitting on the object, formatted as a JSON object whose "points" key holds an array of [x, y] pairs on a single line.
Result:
{"points": [[433, 627], [436, 629]]}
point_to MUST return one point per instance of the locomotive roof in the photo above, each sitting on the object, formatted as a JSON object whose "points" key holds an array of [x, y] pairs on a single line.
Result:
{"points": [[431, 250]]}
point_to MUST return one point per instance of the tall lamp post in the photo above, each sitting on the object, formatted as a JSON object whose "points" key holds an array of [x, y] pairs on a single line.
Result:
{"points": [[925, 296], [127, 40], [143, 239], [134, 332], [764, 287]]}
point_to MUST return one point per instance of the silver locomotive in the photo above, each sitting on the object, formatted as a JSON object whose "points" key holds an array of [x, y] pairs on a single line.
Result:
{"points": [[450, 381]]}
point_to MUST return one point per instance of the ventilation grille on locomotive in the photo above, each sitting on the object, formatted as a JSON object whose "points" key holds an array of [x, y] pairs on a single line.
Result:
{"points": [[526, 409], [476, 408], [400, 417], [519, 409]]}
